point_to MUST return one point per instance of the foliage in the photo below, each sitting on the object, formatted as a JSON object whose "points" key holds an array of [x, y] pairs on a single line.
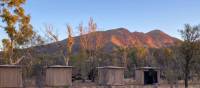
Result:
{"points": [[17, 26]]}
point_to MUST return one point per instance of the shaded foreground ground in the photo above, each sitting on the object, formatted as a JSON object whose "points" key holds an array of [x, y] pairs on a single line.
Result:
{"points": [[128, 84]]}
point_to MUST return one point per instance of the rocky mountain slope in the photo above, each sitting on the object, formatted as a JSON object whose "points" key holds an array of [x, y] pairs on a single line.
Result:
{"points": [[117, 37]]}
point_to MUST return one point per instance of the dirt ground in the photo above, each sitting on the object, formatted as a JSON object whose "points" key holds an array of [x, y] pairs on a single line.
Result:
{"points": [[128, 84]]}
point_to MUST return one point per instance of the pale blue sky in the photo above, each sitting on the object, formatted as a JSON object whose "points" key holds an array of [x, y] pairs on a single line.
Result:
{"points": [[135, 15]]}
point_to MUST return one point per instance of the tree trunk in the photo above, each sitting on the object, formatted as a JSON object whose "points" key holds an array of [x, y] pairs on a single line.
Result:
{"points": [[68, 57], [67, 61], [186, 82], [124, 57], [11, 53], [186, 74]]}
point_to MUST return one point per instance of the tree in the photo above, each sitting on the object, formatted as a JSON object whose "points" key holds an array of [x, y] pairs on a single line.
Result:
{"points": [[142, 53], [123, 52], [70, 42], [189, 49], [53, 37], [17, 26], [132, 62], [91, 42], [169, 64]]}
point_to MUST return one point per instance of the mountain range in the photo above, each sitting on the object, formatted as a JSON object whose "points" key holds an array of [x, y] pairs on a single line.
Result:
{"points": [[119, 37], [115, 37]]}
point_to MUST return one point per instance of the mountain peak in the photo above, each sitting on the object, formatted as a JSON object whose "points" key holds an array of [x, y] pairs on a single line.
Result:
{"points": [[119, 30], [157, 31]]}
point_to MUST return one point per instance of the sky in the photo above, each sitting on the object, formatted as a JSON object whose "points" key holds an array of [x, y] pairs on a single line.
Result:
{"points": [[135, 15]]}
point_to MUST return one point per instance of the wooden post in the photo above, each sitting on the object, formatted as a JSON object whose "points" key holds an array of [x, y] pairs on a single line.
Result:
{"points": [[10, 76], [58, 76], [110, 76]]}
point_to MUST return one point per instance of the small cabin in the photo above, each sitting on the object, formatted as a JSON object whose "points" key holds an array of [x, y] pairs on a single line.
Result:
{"points": [[110, 76], [147, 75], [58, 76], [10, 76]]}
